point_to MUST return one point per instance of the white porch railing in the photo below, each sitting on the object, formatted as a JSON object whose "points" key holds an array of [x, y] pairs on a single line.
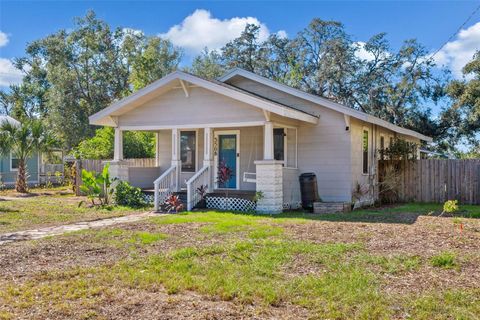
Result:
{"points": [[200, 178], [165, 185]]}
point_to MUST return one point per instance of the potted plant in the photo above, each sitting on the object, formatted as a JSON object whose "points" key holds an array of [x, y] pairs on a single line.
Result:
{"points": [[202, 192], [173, 204]]}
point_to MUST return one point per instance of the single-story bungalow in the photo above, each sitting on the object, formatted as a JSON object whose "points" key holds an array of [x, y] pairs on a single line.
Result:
{"points": [[266, 132]]}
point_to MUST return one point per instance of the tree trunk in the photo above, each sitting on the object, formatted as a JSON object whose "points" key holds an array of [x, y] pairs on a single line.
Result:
{"points": [[21, 185]]}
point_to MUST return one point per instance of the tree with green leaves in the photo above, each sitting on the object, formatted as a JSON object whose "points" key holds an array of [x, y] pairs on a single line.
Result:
{"points": [[137, 144], [462, 119], [154, 59], [86, 70], [323, 60], [244, 52], [207, 65], [22, 140], [70, 75]]}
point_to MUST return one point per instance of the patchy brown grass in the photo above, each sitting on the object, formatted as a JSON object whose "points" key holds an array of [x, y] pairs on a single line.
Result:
{"points": [[46, 208], [219, 265]]}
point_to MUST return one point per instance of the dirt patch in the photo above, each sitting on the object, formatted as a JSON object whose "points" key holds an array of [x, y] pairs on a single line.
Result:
{"points": [[86, 249], [420, 238], [127, 303], [425, 238]]}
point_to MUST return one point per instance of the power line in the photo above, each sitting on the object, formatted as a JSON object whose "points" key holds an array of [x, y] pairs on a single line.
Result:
{"points": [[456, 32]]}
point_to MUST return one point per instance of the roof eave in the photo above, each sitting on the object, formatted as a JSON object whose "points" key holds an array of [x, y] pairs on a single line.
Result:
{"points": [[323, 102]]}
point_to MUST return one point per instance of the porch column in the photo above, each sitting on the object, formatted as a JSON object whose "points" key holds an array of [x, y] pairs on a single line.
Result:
{"points": [[118, 168], [176, 160], [208, 156], [118, 145], [268, 141], [157, 149], [270, 184]]}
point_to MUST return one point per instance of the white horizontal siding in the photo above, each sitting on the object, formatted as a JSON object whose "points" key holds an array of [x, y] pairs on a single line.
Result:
{"points": [[323, 149], [201, 107]]}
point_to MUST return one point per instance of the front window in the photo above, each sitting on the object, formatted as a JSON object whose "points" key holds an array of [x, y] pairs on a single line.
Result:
{"points": [[13, 163], [365, 151], [188, 150], [279, 144]]}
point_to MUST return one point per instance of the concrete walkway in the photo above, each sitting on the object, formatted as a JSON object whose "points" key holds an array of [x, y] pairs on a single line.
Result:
{"points": [[54, 231]]}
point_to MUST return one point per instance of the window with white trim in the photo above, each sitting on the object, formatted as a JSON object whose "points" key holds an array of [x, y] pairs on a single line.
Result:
{"points": [[14, 162], [365, 146], [279, 144], [188, 150]]}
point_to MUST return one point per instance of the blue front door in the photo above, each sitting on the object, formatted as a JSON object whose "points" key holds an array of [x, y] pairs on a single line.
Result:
{"points": [[227, 155]]}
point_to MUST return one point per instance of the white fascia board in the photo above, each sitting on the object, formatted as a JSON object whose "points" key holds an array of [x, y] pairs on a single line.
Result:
{"points": [[322, 101], [97, 118]]}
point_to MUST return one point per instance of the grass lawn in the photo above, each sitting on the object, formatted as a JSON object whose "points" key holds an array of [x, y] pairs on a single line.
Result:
{"points": [[48, 207], [398, 262]]}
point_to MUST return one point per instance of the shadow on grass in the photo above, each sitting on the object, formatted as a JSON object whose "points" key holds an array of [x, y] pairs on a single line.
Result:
{"points": [[403, 213], [8, 210]]}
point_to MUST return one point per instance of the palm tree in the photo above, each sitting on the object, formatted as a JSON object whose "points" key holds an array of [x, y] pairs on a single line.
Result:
{"points": [[22, 140]]}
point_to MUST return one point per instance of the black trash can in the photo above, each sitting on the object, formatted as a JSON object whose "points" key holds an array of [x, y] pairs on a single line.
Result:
{"points": [[309, 190]]}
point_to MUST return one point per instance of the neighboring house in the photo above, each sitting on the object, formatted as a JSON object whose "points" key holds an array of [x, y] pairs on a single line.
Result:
{"points": [[267, 132], [9, 165]]}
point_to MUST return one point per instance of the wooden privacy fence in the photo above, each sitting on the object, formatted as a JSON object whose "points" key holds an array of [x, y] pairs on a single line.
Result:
{"points": [[97, 166], [435, 180]]}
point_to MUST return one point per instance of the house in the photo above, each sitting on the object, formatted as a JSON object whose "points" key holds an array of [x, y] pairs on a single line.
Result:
{"points": [[9, 164], [266, 132]]}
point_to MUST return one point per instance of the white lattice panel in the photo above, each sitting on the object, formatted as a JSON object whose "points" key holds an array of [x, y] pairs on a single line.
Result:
{"points": [[148, 198], [231, 204]]}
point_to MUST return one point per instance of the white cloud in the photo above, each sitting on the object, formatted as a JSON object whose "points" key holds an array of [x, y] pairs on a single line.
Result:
{"points": [[200, 30], [362, 53], [3, 39], [8, 73], [457, 53], [282, 34]]}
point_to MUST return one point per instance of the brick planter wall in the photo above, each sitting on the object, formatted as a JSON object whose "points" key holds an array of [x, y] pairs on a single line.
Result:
{"points": [[331, 207], [270, 182]]}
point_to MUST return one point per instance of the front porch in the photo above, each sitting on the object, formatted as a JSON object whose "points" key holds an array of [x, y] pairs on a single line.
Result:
{"points": [[262, 156]]}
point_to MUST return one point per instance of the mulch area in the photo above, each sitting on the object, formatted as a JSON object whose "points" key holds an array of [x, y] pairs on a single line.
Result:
{"points": [[425, 238]]}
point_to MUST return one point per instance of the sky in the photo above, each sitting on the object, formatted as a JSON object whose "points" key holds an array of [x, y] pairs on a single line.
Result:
{"points": [[194, 25]]}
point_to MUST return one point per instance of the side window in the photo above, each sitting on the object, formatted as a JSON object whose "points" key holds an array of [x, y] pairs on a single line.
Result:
{"points": [[279, 144], [13, 163], [365, 151]]}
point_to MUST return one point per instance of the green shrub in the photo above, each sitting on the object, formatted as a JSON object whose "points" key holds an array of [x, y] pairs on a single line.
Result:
{"points": [[450, 206], [97, 186], [128, 195], [444, 260]]}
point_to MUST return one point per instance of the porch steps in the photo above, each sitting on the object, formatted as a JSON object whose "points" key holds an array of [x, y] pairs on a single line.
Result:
{"points": [[182, 195]]}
